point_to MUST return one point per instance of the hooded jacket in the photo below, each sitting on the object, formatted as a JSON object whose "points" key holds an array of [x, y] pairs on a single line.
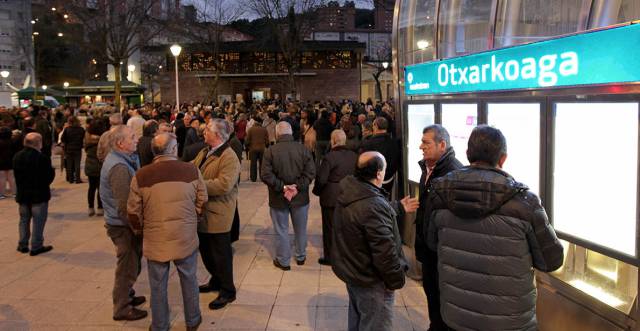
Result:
{"points": [[366, 246], [490, 232]]}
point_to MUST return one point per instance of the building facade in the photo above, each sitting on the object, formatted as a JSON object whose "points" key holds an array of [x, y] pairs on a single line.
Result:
{"points": [[16, 52]]}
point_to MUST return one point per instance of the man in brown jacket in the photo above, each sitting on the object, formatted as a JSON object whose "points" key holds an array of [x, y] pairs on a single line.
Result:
{"points": [[220, 169], [165, 200], [257, 140]]}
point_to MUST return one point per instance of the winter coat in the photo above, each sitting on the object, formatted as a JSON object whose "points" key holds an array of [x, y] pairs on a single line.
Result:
{"points": [[7, 149], [92, 165], [33, 173], [444, 165], [387, 146], [339, 163], [165, 200], [220, 171], [73, 138], [285, 163], [257, 138], [366, 246], [144, 150], [490, 232]]}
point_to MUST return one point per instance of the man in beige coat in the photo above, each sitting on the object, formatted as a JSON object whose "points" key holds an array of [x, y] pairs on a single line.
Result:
{"points": [[165, 200], [220, 169]]}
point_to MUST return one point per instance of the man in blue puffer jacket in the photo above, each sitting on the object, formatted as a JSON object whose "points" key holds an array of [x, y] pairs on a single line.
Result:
{"points": [[490, 232]]}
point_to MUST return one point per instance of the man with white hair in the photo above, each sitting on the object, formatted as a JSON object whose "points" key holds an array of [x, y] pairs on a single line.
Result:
{"points": [[136, 122], [104, 144], [220, 169], [288, 169]]}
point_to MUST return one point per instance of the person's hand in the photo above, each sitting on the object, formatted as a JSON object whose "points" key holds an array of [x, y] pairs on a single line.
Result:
{"points": [[290, 191], [410, 204]]}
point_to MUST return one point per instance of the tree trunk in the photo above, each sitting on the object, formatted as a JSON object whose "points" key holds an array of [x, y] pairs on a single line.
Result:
{"points": [[378, 95], [292, 85], [118, 86]]}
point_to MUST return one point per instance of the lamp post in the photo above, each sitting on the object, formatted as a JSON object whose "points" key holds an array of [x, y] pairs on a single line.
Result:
{"points": [[385, 65], [4, 75], [131, 68], [175, 50], [65, 85]]}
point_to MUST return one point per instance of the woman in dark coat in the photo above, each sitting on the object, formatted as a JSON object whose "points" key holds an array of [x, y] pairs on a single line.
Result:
{"points": [[92, 165], [7, 151], [73, 138]]}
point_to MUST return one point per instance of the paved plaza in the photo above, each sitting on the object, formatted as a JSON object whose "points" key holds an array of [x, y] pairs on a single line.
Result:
{"points": [[70, 287]]}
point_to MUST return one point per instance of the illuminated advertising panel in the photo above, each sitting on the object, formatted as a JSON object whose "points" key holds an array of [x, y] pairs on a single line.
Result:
{"points": [[459, 119], [419, 117]]}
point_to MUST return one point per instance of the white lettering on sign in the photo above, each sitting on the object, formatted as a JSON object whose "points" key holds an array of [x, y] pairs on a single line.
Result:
{"points": [[545, 69]]}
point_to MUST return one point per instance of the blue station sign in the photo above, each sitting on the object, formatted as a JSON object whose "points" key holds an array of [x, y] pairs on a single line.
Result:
{"points": [[598, 57]]}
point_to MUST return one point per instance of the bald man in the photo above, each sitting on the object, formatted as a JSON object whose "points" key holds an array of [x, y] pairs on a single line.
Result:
{"points": [[174, 193], [366, 252], [34, 174]]}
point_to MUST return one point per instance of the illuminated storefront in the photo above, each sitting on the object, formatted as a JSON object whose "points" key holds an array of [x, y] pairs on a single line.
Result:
{"points": [[560, 79]]}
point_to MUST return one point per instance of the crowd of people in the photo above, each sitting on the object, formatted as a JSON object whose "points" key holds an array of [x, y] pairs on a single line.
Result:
{"points": [[166, 182]]}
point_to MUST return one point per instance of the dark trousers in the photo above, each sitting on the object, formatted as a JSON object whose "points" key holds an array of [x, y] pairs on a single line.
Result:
{"points": [[327, 228], [432, 289], [94, 187], [235, 226], [72, 160], [256, 162], [217, 257], [33, 216], [129, 254]]}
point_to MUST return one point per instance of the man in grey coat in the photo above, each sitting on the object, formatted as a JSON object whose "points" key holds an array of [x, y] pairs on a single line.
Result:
{"points": [[288, 169], [490, 232]]}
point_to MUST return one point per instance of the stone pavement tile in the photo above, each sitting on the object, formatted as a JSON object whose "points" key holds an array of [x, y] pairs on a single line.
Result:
{"points": [[331, 319], [413, 296], [14, 326], [401, 320], [51, 271], [419, 317], [333, 297], [398, 299], [89, 272], [48, 327], [297, 296], [256, 295], [263, 262], [94, 328], [54, 290], [263, 277], [300, 278], [91, 292], [246, 317], [328, 278], [292, 318], [20, 288], [101, 315], [210, 318]]}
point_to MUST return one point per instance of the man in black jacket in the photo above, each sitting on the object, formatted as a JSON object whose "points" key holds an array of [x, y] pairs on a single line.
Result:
{"points": [[34, 174], [438, 160], [490, 232], [288, 169], [367, 253], [383, 142]]}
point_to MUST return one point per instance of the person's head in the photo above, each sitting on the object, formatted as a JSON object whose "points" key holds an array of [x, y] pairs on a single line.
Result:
{"points": [[362, 118], [124, 139], [435, 141], [380, 125], [195, 123], [371, 167], [97, 127], [164, 128], [150, 128], [217, 132], [487, 145], [33, 140], [115, 119], [165, 144], [367, 128], [283, 128], [338, 138], [187, 119]]}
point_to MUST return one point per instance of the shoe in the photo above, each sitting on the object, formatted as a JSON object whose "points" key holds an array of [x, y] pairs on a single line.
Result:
{"points": [[133, 315], [2, 197], [136, 301], [91, 212], [99, 212], [23, 249], [301, 262], [195, 327], [206, 288], [280, 266], [40, 250], [79, 182], [324, 261], [221, 302]]}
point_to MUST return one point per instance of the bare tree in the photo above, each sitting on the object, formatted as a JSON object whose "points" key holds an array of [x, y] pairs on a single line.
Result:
{"points": [[115, 30], [290, 22], [150, 67], [381, 65], [210, 31]]}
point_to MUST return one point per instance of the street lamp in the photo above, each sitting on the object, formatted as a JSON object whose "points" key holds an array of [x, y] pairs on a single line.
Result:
{"points": [[385, 65], [175, 50], [44, 87], [4, 75], [60, 34], [131, 68], [65, 84], [422, 44]]}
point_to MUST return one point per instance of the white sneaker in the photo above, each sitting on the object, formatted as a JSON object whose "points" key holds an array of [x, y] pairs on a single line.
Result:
{"points": [[2, 197]]}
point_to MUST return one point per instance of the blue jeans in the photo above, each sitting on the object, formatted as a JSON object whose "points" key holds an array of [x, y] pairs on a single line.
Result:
{"points": [[280, 219], [37, 211], [158, 278], [370, 308]]}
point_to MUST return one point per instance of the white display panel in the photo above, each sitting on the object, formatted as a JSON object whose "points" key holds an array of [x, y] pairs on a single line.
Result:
{"points": [[520, 125], [418, 117], [595, 173], [459, 120]]}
